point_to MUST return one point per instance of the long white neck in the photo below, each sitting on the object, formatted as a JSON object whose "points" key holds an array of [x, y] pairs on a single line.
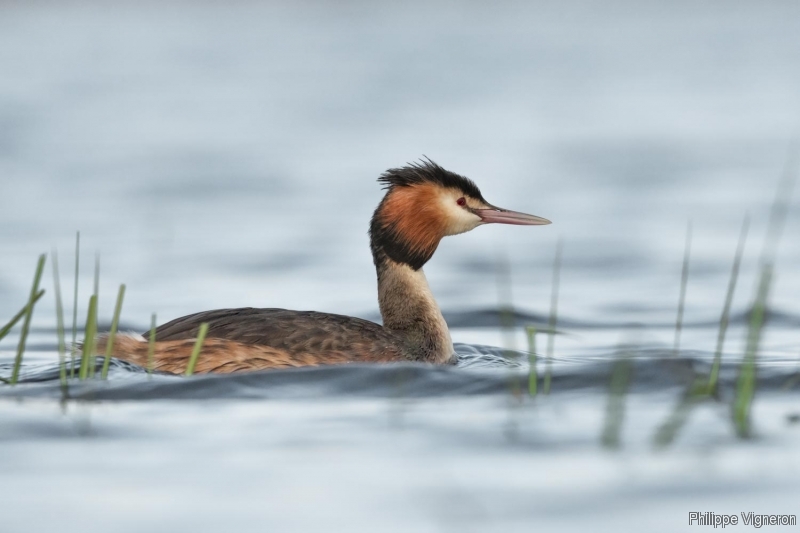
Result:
{"points": [[409, 309]]}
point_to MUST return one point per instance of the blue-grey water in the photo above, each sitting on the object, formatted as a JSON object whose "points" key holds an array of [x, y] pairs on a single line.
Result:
{"points": [[225, 154]]}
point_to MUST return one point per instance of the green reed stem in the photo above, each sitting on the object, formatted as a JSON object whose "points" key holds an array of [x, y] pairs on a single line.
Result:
{"points": [[696, 393], [505, 303], [13, 322], [113, 333], [89, 338], [62, 347], [726, 309], [684, 282], [22, 312], [553, 321], [26, 323], [96, 293], [746, 383], [621, 373], [507, 319], [201, 337], [533, 377], [74, 346], [151, 345]]}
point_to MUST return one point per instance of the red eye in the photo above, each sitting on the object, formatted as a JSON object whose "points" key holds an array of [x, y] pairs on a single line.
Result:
{"points": [[462, 201]]}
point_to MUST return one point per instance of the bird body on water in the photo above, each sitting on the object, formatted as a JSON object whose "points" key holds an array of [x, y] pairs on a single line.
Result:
{"points": [[423, 203]]}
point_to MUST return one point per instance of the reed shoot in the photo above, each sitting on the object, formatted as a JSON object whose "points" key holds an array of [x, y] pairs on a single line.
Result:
{"points": [[62, 347], [13, 322], [532, 375], [684, 282], [746, 383], [5, 329], [74, 347], [505, 304], [113, 333], [726, 309], [621, 373], [201, 337], [666, 434], [552, 322], [26, 323], [507, 319], [96, 309], [89, 337]]}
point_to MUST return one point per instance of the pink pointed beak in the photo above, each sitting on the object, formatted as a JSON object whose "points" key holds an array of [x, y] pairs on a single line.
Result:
{"points": [[496, 215]]}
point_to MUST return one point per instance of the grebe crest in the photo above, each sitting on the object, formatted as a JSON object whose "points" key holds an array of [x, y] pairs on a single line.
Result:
{"points": [[424, 203]]}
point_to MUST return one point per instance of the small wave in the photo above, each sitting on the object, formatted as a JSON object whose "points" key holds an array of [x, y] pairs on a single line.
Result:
{"points": [[482, 370]]}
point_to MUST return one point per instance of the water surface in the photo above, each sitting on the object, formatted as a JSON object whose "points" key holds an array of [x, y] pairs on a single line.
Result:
{"points": [[223, 155]]}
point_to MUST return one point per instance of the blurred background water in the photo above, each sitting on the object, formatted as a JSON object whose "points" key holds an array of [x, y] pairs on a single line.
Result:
{"points": [[225, 154]]}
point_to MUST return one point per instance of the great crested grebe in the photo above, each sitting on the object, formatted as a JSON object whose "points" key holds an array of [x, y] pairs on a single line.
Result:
{"points": [[423, 203]]}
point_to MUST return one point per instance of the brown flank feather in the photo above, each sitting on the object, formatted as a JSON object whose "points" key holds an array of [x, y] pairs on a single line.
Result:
{"points": [[225, 356]]}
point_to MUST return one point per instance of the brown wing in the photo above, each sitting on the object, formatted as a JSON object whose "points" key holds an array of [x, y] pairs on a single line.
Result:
{"points": [[297, 333], [223, 355]]}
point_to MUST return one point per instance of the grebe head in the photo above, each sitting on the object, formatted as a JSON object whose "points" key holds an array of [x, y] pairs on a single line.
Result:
{"points": [[423, 203]]}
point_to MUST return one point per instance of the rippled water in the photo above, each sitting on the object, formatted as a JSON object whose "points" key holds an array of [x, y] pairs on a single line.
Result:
{"points": [[222, 155]]}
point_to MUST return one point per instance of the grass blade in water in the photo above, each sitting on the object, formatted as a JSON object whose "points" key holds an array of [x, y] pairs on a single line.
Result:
{"points": [[615, 409], [26, 324], [13, 322], [746, 383], [62, 348], [551, 339], [151, 345], [532, 375], [666, 434], [74, 347], [113, 333], [198, 345], [682, 298], [507, 318], [5, 329], [89, 338], [96, 309], [726, 308]]}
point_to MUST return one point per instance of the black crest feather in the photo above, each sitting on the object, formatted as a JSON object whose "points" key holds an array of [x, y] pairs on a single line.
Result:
{"points": [[426, 171]]}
